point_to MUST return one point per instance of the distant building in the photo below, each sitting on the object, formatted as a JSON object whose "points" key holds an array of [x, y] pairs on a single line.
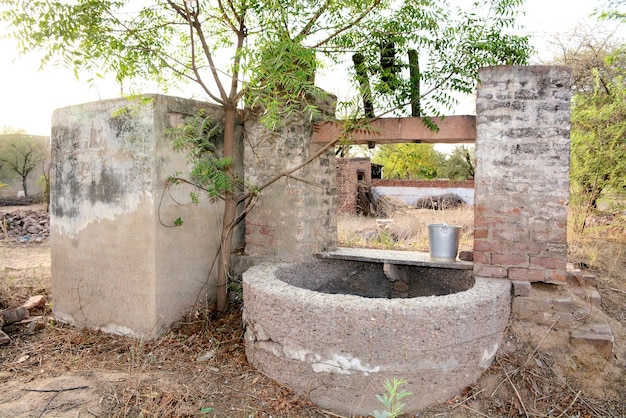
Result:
{"points": [[358, 179]]}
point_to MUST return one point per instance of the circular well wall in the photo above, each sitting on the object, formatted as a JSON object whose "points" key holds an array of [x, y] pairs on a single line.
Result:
{"points": [[338, 349]]}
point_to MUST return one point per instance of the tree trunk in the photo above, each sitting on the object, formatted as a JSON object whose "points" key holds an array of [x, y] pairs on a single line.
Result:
{"points": [[230, 213], [24, 186]]}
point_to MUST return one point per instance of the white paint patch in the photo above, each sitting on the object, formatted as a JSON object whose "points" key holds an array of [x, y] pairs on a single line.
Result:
{"points": [[110, 328], [343, 364], [90, 213], [488, 356]]}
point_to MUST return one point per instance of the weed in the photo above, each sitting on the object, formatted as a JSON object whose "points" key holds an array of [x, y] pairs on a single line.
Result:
{"points": [[391, 400]]}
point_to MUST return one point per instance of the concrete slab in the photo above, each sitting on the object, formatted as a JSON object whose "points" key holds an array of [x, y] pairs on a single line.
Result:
{"points": [[409, 258]]}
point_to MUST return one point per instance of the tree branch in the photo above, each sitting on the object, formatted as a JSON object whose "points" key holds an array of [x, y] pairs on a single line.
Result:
{"points": [[348, 26], [307, 28]]}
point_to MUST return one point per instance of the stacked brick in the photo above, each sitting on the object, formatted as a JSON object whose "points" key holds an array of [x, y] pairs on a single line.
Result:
{"points": [[348, 180], [294, 217], [522, 173]]}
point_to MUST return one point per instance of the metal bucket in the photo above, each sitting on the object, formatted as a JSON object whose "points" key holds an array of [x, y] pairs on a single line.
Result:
{"points": [[443, 241]]}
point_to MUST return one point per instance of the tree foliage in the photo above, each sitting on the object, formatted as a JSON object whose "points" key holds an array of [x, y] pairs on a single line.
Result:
{"points": [[20, 155], [459, 165], [613, 10], [408, 161], [598, 142], [598, 115]]}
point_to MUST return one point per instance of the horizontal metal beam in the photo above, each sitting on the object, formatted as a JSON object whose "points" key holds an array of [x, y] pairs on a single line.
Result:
{"points": [[452, 130]]}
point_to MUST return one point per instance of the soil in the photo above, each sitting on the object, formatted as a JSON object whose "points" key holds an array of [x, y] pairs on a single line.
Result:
{"points": [[199, 368]]}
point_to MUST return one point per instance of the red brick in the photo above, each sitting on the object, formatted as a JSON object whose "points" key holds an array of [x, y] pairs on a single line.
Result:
{"points": [[483, 221], [486, 245], [516, 273], [550, 236], [512, 260], [481, 210], [481, 233], [266, 231], [548, 262], [489, 271], [525, 248], [521, 288], [603, 344], [510, 234], [555, 276], [512, 211], [482, 258]]}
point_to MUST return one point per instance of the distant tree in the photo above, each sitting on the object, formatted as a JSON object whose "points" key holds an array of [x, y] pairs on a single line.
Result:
{"points": [[595, 55], [459, 165], [20, 154], [8, 130], [598, 142], [408, 161], [598, 115]]}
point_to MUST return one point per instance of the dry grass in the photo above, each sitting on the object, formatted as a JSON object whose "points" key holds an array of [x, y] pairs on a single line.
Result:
{"points": [[407, 231]]}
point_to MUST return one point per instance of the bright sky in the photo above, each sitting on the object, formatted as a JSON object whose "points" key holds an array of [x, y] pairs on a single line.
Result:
{"points": [[29, 96]]}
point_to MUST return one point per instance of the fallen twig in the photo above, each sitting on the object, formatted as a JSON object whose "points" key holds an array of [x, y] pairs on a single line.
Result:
{"points": [[55, 390], [473, 395], [541, 342], [56, 393], [514, 388], [474, 410], [571, 404], [616, 290]]}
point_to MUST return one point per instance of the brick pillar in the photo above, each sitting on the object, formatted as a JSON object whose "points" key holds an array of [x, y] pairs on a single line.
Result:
{"points": [[522, 172], [294, 218], [351, 173]]}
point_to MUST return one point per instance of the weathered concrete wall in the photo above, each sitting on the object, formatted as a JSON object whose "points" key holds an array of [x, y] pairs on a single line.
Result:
{"points": [[522, 173], [294, 218], [117, 265]]}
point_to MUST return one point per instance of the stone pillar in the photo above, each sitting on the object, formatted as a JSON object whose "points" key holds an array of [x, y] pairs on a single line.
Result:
{"points": [[295, 217], [522, 172], [118, 264]]}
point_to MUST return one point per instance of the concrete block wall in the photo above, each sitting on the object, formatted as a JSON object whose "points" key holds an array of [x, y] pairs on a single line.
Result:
{"points": [[116, 264], [522, 173], [294, 218], [348, 170], [410, 191]]}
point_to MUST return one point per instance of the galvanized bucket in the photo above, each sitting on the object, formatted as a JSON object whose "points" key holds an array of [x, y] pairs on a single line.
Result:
{"points": [[443, 241]]}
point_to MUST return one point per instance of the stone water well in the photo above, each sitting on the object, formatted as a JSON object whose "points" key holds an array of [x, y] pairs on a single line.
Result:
{"points": [[112, 245], [334, 331], [337, 329]]}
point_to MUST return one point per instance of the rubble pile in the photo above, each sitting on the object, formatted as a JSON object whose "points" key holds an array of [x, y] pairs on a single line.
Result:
{"points": [[21, 319], [440, 202], [25, 225]]}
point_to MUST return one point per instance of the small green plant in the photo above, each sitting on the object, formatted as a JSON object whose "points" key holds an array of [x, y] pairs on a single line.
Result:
{"points": [[391, 400]]}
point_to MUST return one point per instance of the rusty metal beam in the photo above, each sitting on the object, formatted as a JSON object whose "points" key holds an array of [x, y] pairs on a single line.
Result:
{"points": [[452, 130]]}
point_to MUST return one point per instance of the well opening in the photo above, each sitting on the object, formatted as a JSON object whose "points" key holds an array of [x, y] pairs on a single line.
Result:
{"points": [[375, 280]]}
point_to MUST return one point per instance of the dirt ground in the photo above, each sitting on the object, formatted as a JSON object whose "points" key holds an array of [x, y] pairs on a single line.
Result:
{"points": [[199, 369]]}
